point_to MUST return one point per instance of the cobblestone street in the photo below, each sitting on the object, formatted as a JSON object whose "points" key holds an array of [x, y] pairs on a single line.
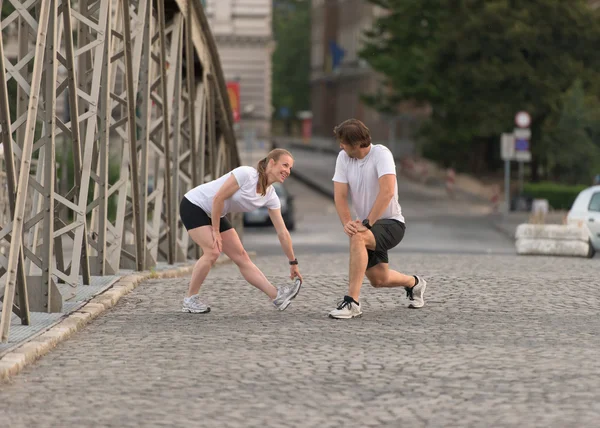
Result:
{"points": [[502, 341]]}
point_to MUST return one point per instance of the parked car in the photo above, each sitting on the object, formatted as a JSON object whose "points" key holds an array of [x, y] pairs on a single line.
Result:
{"points": [[261, 217], [586, 210]]}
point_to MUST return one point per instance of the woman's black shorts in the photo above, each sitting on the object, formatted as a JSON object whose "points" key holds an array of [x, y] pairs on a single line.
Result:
{"points": [[192, 216], [388, 233]]}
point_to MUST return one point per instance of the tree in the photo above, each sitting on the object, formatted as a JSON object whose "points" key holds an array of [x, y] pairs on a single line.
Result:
{"points": [[291, 58], [477, 62], [573, 154]]}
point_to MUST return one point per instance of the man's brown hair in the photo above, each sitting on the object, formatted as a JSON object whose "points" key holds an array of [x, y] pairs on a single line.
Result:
{"points": [[353, 132]]}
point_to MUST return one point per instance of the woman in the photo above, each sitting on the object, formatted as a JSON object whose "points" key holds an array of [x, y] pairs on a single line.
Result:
{"points": [[244, 189]]}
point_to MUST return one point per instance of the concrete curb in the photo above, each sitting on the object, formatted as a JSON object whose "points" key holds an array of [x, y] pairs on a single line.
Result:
{"points": [[14, 361]]}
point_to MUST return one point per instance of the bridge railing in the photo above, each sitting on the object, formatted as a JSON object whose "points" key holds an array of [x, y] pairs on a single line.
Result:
{"points": [[110, 110]]}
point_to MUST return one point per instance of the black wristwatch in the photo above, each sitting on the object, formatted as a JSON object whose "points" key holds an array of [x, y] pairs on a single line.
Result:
{"points": [[366, 223], [293, 262]]}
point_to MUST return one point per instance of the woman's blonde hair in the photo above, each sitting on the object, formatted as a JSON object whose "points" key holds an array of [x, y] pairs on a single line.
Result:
{"points": [[274, 154]]}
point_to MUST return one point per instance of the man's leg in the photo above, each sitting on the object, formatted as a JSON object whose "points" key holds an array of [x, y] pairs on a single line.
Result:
{"points": [[359, 259], [381, 275], [359, 243]]}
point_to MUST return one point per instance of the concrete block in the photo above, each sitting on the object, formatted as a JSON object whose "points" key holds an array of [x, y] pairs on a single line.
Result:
{"points": [[127, 285], [552, 231], [115, 293], [552, 247], [9, 368], [106, 301], [15, 359], [81, 316], [32, 351], [94, 309]]}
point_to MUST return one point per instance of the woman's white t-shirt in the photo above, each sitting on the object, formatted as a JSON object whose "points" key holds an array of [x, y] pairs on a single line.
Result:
{"points": [[246, 199], [362, 176]]}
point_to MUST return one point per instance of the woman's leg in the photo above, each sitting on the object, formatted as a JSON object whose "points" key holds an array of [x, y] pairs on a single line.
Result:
{"points": [[203, 237], [232, 247]]}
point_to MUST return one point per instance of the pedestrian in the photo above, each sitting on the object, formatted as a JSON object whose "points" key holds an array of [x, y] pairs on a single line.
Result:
{"points": [[368, 173], [244, 189]]}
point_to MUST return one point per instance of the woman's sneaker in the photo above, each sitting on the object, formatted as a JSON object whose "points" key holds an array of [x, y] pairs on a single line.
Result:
{"points": [[285, 294], [347, 308], [416, 293], [194, 305]]}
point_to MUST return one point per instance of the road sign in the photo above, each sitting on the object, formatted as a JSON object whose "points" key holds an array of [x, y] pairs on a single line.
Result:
{"points": [[521, 145], [522, 133], [522, 137], [522, 119], [507, 147], [523, 156]]}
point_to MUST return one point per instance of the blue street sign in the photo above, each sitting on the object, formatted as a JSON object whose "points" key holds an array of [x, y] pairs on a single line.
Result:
{"points": [[521, 145], [284, 112]]}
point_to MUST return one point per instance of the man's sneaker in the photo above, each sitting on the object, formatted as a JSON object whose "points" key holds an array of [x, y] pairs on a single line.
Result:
{"points": [[194, 305], [285, 294], [415, 294], [348, 308]]}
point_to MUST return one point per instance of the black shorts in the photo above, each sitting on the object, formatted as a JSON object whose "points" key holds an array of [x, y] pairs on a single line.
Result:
{"points": [[192, 216], [388, 233]]}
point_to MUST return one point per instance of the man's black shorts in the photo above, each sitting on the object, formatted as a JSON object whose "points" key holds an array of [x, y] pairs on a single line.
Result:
{"points": [[388, 233], [192, 216]]}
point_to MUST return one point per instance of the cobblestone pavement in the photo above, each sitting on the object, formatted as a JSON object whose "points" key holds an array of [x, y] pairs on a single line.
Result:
{"points": [[502, 341]]}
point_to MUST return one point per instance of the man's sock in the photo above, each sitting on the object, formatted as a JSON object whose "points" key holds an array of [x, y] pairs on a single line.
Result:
{"points": [[416, 280], [350, 299]]}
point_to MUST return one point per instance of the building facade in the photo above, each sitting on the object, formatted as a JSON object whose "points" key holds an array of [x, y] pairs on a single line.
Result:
{"points": [[243, 33], [339, 77]]}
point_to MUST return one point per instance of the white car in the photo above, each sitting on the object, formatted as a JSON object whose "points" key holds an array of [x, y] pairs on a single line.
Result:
{"points": [[586, 210]]}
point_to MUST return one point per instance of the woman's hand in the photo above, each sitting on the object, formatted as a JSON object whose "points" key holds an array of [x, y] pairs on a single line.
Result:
{"points": [[295, 272], [217, 240]]}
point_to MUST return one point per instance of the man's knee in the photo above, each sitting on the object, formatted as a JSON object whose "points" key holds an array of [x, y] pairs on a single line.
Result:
{"points": [[378, 281], [360, 239]]}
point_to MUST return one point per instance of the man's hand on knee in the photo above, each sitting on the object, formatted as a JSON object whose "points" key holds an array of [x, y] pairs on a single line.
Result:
{"points": [[350, 228]]}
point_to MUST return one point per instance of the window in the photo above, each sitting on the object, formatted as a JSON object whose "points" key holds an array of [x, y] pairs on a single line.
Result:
{"points": [[595, 202]]}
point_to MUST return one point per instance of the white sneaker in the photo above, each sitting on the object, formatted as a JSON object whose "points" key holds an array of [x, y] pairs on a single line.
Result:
{"points": [[415, 294], [286, 294], [193, 305], [347, 308]]}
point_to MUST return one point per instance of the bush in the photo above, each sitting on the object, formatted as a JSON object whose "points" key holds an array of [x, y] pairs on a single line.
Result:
{"points": [[559, 196]]}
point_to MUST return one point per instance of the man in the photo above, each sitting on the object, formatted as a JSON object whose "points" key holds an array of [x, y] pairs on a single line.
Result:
{"points": [[367, 173]]}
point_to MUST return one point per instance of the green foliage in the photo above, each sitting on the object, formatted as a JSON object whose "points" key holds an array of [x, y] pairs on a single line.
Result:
{"points": [[7, 9], [573, 155], [559, 196], [291, 58], [478, 62]]}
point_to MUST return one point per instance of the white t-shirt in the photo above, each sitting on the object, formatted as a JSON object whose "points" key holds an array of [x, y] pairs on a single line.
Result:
{"points": [[362, 176], [246, 199]]}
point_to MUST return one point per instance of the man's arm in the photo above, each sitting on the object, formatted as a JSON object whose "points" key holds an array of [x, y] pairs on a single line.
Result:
{"points": [[387, 185], [340, 196]]}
